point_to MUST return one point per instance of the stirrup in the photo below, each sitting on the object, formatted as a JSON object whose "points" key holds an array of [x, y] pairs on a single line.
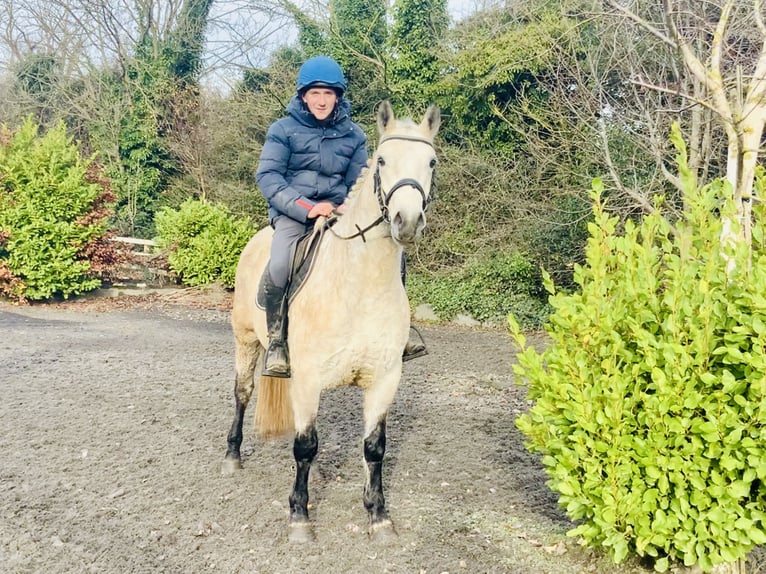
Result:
{"points": [[414, 350], [276, 362]]}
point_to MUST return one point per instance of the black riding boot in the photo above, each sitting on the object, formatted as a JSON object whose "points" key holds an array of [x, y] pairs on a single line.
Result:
{"points": [[277, 360], [415, 346]]}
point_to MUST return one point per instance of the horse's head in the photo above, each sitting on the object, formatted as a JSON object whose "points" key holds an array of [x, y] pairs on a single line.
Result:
{"points": [[404, 165]]}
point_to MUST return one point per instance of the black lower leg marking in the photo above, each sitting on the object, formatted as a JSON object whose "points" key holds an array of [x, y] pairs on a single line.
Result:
{"points": [[374, 451], [234, 440], [305, 447]]}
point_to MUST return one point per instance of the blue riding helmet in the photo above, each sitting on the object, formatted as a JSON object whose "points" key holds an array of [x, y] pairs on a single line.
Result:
{"points": [[321, 71]]}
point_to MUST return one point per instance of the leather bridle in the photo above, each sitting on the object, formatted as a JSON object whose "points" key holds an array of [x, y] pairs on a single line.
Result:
{"points": [[385, 198]]}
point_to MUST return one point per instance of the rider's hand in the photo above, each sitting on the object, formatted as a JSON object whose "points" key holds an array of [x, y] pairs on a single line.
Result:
{"points": [[323, 208]]}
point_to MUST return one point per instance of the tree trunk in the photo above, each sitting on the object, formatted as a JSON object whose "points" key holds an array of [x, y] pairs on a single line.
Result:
{"points": [[741, 111]]}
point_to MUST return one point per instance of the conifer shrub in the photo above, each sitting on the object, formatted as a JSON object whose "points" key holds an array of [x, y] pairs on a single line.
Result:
{"points": [[54, 209], [203, 241], [648, 406]]}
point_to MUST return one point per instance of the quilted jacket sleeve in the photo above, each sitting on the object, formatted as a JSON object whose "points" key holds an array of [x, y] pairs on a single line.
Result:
{"points": [[272, 169]]}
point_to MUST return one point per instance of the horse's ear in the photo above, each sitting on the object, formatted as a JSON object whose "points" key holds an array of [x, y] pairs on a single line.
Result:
{"points": [[385, 116], [432, 120]]}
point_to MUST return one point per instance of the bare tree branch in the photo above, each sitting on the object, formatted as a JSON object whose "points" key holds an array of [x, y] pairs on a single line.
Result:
{"points": [[643, 23], [637, 197]]}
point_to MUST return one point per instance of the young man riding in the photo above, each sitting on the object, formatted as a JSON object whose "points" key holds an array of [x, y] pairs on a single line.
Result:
{"points": [[309, 162]]}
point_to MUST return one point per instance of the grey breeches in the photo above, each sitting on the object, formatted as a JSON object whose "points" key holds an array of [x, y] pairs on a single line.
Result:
{"points": [[286, 233]]}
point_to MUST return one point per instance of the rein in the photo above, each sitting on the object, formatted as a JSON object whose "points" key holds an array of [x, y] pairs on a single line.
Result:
{"points": [[384, 200]]}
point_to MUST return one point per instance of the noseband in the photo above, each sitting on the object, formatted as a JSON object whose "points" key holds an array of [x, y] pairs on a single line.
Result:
{"points": [[385, 198]]}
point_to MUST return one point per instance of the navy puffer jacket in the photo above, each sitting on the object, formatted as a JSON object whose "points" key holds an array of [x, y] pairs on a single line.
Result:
{"points": [[305, 161]]}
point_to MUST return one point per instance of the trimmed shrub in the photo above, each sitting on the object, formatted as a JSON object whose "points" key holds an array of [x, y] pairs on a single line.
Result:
{"points": [[54, 206], [203, 241], [649, 403]]}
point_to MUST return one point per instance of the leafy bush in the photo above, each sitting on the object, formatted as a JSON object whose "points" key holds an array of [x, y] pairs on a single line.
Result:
{"points": [[486, 289], [203, 240], [650, 401], [53, 211]]}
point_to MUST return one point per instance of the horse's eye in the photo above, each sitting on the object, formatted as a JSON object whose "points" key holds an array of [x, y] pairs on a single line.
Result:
{"points": [[381, 161], [433, 163]]}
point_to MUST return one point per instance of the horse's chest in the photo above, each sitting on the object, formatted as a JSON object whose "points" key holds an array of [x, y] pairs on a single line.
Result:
{"points": [[350, 328], [348, 336]]}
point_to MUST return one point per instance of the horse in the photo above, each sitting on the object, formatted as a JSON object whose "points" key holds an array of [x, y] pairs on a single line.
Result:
{"points": [[348, 322]]}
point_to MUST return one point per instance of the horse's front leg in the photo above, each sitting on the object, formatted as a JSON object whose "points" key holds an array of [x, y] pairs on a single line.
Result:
{"points": [[381, 527], [377, 400], [305, 447]]}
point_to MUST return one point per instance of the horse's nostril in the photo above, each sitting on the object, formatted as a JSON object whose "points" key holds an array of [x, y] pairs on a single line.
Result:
{"points": [[421, 223], [398, 219]]}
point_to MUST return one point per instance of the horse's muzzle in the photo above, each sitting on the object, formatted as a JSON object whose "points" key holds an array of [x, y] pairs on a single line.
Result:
{"points": [[407, 228]]}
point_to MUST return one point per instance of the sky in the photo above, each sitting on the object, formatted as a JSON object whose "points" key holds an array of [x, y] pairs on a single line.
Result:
{"points": [[459, 9]]}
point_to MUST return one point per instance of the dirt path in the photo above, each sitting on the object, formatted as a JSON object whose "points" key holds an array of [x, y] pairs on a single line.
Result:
{"points": [[113, 421]]}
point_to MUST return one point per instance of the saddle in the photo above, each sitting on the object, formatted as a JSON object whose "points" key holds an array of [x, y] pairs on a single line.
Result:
{"points": [[302, 262]]}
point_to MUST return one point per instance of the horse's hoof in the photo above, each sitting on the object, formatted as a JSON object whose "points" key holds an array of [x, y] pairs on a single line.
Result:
{"points": [[301, 532], [383, 532], [230, 466]]}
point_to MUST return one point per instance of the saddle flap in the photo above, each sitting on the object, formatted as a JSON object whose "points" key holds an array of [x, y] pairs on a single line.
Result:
{"points": [[302, 260]]}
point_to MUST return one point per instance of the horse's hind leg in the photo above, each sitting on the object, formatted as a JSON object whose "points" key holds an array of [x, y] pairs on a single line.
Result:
{"points": [[247, 351], [376, 405]]}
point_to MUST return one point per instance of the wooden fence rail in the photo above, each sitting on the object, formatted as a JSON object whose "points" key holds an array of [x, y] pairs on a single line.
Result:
{"points": [[146, 245]]}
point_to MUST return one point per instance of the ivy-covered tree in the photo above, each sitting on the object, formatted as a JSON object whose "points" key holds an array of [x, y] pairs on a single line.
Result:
{"points": [[419, 26], [312, 33], [493, 89], [36, 79], [186, 41], [161, 86], [358, 38], [144, 165]]}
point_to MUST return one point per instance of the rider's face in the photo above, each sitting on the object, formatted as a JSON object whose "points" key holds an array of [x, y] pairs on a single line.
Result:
{"points": [[320, 102]]}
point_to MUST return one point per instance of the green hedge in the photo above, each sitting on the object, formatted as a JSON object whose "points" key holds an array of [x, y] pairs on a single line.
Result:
{"points": [[649, 403], [203, 241]]}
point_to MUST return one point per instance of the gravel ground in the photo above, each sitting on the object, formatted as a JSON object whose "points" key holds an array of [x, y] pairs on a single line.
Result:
{"points": [[113, 421]]}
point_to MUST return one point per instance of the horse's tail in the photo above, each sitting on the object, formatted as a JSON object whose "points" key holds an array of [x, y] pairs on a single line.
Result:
{"points": [[273, 409]]}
